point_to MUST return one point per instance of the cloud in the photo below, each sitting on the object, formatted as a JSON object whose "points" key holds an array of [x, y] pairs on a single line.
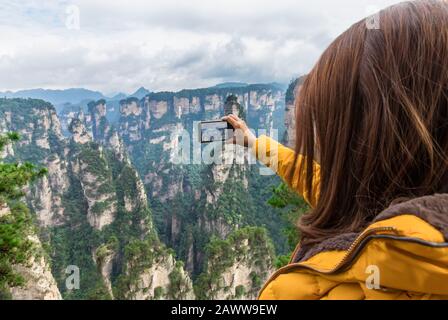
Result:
{"points": [[167, 45]]}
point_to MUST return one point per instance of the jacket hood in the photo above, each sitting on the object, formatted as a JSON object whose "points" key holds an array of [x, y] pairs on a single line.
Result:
{"points": [[432, 209]]}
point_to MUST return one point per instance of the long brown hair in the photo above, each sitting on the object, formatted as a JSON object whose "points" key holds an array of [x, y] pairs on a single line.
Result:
{"points": [[375, 110]]}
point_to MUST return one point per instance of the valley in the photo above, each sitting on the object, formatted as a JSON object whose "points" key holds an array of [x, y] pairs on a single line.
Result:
{"points": [[138, 224]]}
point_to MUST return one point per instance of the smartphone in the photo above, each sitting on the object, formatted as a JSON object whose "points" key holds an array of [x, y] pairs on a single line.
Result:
{"points": [[212, 131]]}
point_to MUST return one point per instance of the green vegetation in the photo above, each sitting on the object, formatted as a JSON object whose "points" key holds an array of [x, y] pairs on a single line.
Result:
{"points": [[15, 226], [15, 247], [20, 109], [98, 129], [250, 246], [291, 91], [188, 222], [232, 203], [178, 285], [158, 293], [73, 244], [181, 222], [92, 155], [240, 291], [138, 257], [128, 237], [237, 206], [25, 116], [223, 92], [293, 206]]}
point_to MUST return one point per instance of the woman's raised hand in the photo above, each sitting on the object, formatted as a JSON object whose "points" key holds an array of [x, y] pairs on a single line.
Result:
{"points": [[243, 135]]}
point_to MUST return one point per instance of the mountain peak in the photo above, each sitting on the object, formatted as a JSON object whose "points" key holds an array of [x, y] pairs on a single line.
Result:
{"points": [[58, 96], [140, 93], [231, 85]]}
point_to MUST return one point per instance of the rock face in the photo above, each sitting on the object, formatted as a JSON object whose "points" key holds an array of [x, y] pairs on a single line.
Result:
{"points": [[93, 206], [89, 164], [225, 178], [116, 200], [39, 281], [4, 210], [237, 267], [290, 111], [99, 123], [46, 196], [193, 202], [79, 132], [163, 279], [41, 142], [157, 117]]}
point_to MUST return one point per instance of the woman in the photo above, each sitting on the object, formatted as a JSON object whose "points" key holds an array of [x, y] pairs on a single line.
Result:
{"points": [[372, 160]]}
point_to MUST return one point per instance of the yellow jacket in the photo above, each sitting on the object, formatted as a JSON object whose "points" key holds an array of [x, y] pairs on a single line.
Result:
{"points": [[403, 254]]}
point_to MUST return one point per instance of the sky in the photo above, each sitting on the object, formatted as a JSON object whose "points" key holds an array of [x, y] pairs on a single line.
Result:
{"points": [[166, 45]]}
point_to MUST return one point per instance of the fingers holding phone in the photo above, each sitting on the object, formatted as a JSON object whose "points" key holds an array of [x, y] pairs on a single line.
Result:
{"points": [[242, 135]]}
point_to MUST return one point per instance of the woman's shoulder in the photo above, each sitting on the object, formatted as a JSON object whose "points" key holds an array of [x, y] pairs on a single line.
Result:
{"points": [[404, 250]]}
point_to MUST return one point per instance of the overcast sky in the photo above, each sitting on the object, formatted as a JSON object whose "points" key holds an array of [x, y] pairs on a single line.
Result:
{"points": [[119, 46]]}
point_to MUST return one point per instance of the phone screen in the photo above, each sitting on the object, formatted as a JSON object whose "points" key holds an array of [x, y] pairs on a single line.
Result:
{"points": [[212, 131]]}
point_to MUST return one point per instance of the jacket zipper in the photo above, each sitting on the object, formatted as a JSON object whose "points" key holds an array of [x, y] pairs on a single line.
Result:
{"points": [[358, 240], [346, 257]]}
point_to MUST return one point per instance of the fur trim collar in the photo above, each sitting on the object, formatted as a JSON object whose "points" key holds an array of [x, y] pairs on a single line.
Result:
{"points": [[432, 209]]}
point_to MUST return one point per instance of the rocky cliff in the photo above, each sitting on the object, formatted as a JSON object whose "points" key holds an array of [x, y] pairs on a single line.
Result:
{"points": [[116, 198], [237, 267], [290, 111], [34, 272], [192, 202], [25, 270], [41, 142], [92, 209], [38, 281]]}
